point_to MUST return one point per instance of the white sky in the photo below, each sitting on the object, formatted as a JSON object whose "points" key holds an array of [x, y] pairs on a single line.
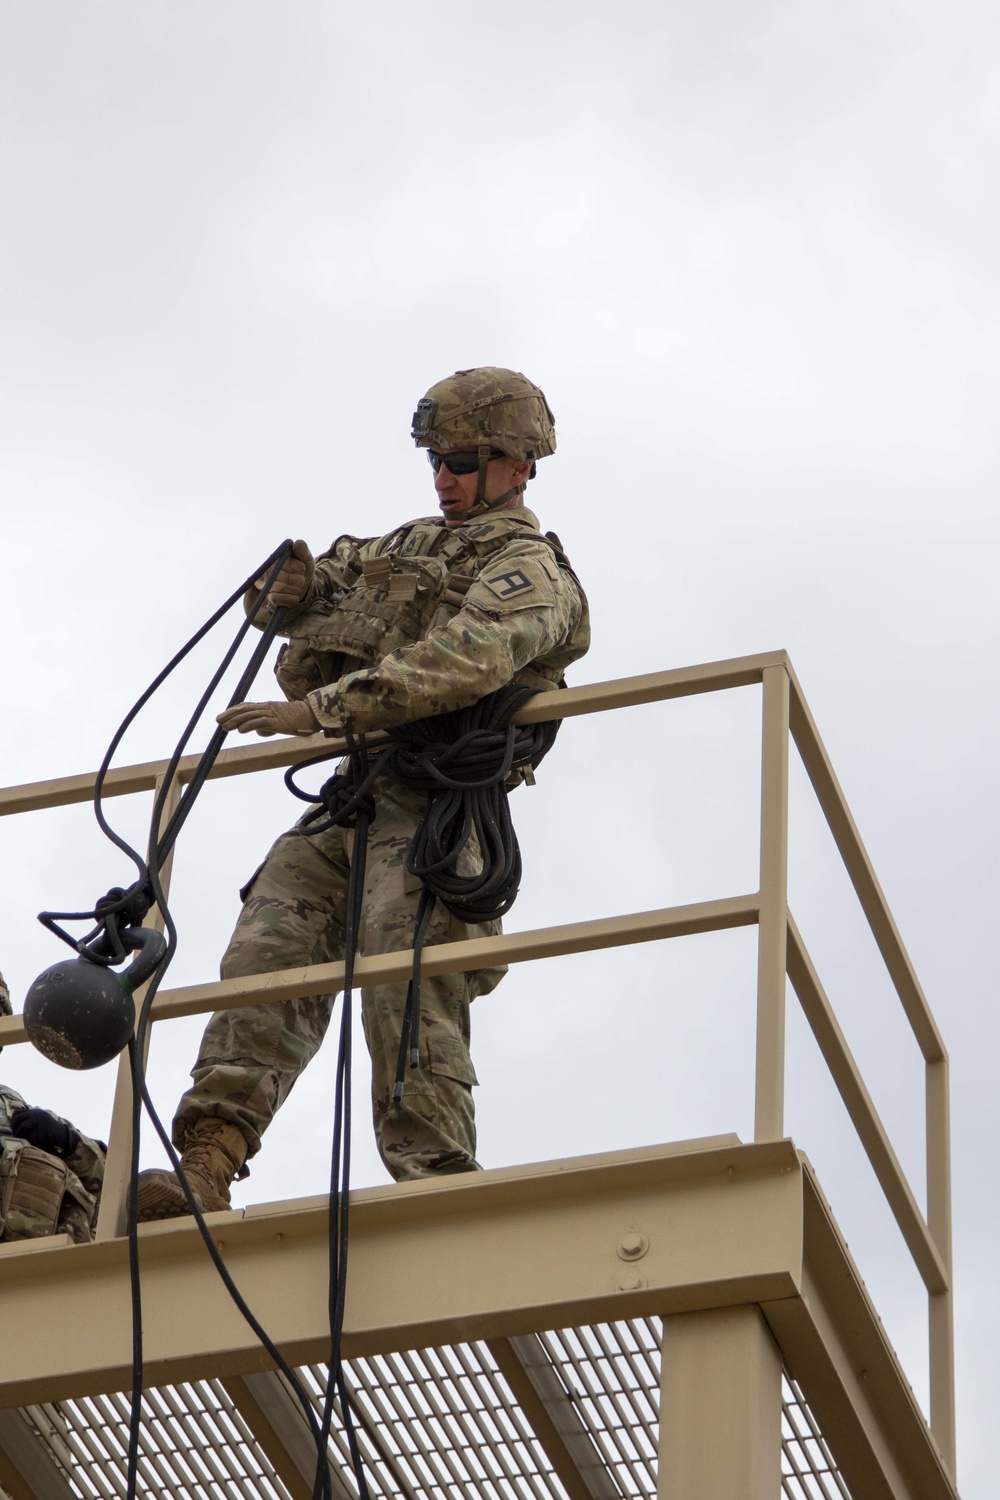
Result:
{"points": [[749, 249]]}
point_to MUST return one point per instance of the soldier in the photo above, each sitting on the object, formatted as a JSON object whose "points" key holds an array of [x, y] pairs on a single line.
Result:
{"points": [[427, 619], [50, 1175]]}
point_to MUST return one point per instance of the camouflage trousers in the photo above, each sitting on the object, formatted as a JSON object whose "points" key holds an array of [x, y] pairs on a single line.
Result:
{"points": [[294, 915]]}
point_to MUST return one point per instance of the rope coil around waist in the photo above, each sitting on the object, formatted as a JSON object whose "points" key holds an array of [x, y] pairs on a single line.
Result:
{"points": [[461, 761]]}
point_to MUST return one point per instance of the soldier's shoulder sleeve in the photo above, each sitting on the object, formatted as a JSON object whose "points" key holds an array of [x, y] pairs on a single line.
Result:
{"points": [[524, 574]]}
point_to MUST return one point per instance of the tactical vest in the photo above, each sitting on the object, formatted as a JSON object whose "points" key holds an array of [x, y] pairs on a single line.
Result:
{"points": [[415, 581], [36, 1189]]}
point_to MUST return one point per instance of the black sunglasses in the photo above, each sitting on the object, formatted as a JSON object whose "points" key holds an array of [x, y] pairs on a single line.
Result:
{"points": [[458, 463]]}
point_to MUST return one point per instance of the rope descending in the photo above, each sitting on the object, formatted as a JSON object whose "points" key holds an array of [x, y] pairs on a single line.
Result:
{"points": [[118, 916]]}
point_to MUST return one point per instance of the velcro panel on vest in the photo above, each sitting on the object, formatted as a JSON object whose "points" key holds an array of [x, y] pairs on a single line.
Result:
{"points": [[376, 569], [32, 1185], [402, 586]]}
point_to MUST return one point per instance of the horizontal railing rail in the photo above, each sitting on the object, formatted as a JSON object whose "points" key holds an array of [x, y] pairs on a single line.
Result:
{"points": [[781, 953], [443, 958], [594, 698]]}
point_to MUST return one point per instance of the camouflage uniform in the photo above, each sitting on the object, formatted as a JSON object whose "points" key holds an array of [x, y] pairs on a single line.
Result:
{"points": [[418, 622], [40, 1193], [430, 618]]}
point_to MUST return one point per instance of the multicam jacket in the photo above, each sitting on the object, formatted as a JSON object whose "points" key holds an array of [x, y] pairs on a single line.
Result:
{"points": [[426, 619], [43, 1194]]}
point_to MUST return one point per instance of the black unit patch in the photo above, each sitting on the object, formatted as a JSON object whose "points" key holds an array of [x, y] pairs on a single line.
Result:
{"points": [[506, 585]]}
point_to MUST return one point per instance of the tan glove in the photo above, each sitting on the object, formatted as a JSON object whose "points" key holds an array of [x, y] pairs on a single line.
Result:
{"points": [[294, 580], [270, 718]]}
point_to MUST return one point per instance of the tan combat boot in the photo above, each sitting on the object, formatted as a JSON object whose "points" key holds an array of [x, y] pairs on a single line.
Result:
{"points": [[214, 1152]]}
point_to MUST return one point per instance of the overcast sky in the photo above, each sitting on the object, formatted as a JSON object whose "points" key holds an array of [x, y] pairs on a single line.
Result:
{"points": [[749, 250]]}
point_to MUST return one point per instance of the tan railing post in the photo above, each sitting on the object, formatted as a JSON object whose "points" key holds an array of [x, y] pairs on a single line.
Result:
{"points": [[720, 1407], [941, 1331], [772, 937], [111, 1218]]}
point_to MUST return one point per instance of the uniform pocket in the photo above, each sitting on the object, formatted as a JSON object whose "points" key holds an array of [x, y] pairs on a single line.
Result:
{"points": [[32, 1184], [449, 1057]]}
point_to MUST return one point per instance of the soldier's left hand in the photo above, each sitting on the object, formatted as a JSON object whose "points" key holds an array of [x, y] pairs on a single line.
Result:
{"points": [[270, 718], [39, 1128]]}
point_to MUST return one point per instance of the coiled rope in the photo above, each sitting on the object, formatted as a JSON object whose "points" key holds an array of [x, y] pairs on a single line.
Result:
{"points": [[462, 762]]}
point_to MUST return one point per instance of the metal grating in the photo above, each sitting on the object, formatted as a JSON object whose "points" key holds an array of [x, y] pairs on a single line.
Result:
{"points": [[193, 1445], [612, 1374], [443, 1423], [432, 1424], [808, 1471]]}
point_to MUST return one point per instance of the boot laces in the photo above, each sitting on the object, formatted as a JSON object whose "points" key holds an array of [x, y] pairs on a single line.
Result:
{"points": [[202, 1149]]}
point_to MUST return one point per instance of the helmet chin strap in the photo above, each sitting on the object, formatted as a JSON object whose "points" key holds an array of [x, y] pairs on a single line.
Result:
{"points": [[481, 505]]}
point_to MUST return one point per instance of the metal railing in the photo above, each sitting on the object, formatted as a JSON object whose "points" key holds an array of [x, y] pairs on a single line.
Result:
{"points": [[781, 953]]}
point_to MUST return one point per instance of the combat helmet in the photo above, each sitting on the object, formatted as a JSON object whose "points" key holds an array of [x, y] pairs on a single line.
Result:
{"points": [[6, 1009], [487, 410]]}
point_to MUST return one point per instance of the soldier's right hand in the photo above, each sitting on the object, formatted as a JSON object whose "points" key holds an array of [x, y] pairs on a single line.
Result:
{"points": [[294, 580]]}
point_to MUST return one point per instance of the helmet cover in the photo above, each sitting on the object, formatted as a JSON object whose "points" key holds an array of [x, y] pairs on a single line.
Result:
{"points": [[487, 407]]}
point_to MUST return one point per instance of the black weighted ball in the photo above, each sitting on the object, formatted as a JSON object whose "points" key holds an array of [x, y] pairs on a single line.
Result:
{"points": [[78, 1014]]}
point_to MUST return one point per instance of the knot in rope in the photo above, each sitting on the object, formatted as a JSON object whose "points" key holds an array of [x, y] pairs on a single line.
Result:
{"points": [[345, 798], [118, 915]]}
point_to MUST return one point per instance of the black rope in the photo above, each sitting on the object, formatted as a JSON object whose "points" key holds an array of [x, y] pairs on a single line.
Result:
{"points": [[130, 905], [357, 812], [150, 892], [141, 1099], [123, 909]]}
